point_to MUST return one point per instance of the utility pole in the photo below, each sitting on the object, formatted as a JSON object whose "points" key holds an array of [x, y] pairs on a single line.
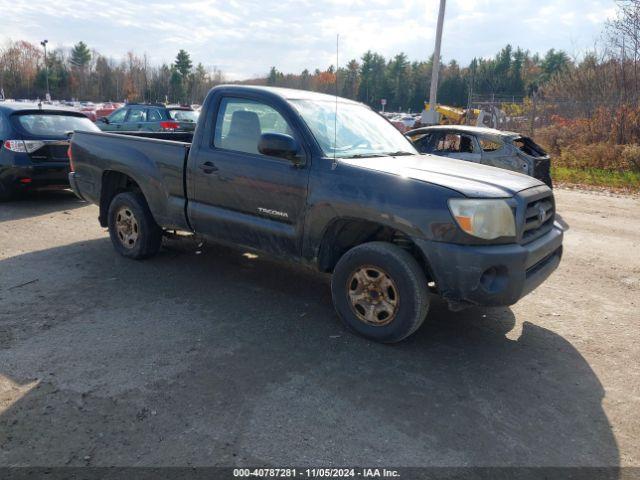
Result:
{"points": [[431, 116], [46, 69]]}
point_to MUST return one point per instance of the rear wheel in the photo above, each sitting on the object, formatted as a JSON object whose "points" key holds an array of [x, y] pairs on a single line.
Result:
{"points": [[133, 231], [380, 291]]}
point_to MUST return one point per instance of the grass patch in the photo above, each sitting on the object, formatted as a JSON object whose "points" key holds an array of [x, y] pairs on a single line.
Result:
{"points": [[597, 177]]}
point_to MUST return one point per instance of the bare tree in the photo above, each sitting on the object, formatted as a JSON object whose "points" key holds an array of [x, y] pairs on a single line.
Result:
{"points": [[624, 39]]}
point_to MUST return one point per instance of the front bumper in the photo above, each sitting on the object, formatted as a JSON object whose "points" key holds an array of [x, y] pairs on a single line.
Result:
{"points": [[494, 274]]}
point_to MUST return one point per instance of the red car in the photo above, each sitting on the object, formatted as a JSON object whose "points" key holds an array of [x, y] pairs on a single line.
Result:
{"points": [[90, 113], [106, 109]]}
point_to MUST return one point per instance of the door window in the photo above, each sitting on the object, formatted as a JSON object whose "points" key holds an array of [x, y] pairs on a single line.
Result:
{"points": [[154, 115], [489, 145], [455, 143], [137, 115], [241, 122], [118, 116], [423, 142]]}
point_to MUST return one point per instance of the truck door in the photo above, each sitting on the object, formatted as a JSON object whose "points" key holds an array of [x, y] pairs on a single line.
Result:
{"points": [[240, 195]]}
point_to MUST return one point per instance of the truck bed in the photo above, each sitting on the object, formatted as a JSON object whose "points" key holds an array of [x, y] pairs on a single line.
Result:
{"points": [[155, 161]]}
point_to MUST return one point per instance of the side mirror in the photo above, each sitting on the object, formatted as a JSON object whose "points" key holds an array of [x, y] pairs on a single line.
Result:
{"points": [[104, 120], [279, 145]]}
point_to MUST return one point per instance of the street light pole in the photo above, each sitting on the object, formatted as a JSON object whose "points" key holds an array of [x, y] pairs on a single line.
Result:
{"points": [[46, 68], [431, 116]]}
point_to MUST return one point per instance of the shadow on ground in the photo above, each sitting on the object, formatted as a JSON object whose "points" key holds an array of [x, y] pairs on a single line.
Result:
{"points": [[39, 202], [221, 359]]}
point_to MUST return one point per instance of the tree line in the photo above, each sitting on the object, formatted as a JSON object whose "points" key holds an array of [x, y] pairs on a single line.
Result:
{"points": [[404, 84], [84, 74]]}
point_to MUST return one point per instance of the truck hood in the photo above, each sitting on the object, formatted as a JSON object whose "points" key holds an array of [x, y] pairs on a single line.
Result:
{"points": [[470, 179]]}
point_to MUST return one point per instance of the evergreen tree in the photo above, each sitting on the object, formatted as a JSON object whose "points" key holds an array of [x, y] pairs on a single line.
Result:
{"points": [[183, 63], [554, 62], [397, 77], [351, 80], [176, 86], [80, 55], [272, 79]]}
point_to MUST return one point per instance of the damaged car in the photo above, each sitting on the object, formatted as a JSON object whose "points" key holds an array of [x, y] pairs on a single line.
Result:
{"points": [[508, 150]]}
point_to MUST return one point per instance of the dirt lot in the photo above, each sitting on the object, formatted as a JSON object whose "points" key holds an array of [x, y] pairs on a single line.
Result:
{"points": [[222, 359]]}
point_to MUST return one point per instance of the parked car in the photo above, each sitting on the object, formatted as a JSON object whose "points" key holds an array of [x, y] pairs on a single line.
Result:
{"points": [[33, 146], [106, 109], [267, 171], [89, 112], [403, 122], [150, 118], [508, 150]]}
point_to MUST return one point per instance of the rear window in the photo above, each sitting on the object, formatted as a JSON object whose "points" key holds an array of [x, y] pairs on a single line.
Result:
{"points": [[184, 115], [54, 124], [528, 146]]}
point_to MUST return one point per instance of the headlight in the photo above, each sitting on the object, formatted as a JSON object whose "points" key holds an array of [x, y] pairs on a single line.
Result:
{"points": [[483, 218]]}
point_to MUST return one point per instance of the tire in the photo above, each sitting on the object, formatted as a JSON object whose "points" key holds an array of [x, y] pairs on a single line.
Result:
{"points": [[402, 277], [133, 231]]}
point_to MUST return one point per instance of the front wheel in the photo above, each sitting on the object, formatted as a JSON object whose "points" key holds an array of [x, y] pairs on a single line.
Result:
{"points": [[133, 231], [380, 291]]}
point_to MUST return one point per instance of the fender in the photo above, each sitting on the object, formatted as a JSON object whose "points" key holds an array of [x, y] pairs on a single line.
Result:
{"points": [[401, 204]]}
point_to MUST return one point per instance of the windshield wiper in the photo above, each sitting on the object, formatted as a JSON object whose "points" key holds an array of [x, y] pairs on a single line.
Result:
{"points": [[399, 153], [366, 155]]}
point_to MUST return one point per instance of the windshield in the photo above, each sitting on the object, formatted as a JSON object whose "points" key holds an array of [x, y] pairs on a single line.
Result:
{"points": [[184, 115], [360, 131], [54, 124]]}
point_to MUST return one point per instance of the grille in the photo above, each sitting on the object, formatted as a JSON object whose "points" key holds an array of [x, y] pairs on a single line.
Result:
{"points": [[52, 152], [538, 218]]}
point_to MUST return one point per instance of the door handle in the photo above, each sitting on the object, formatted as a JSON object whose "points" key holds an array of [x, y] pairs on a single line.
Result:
{"points": [[208, 167]]}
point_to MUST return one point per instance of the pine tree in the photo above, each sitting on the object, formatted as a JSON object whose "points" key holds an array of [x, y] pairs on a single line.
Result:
{"points": [[80, 55], [183, 63]]}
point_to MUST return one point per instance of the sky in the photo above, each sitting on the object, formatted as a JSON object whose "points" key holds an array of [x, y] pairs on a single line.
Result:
{"points": [[245, 38]]}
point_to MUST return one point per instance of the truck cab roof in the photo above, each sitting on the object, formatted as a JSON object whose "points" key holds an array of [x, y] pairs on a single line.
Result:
{"points": [[283, 93]]}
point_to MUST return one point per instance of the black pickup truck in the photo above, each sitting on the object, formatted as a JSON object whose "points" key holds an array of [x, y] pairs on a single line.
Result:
{"points": [[329, 183]]}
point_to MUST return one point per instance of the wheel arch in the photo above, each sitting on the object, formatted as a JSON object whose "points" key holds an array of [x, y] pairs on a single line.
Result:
{"points": [[114, 182], [342, 234]]}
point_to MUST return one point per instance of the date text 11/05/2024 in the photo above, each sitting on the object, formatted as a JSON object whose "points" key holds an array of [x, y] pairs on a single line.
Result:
{"points": [[315, 473]]}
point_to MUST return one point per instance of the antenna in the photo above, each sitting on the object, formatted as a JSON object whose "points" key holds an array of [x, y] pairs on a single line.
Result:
{"points": [[335, 118]]}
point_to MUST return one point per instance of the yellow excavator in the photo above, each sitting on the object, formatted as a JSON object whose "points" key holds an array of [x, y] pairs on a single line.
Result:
{"points": [[491, 117], [455, 116]]}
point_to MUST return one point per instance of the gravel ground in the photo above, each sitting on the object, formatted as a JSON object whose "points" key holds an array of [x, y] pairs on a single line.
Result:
{"points": [[220, 358]]}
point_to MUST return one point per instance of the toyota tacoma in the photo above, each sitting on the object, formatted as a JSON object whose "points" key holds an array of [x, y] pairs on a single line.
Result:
{"points": [[328, 183]]}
